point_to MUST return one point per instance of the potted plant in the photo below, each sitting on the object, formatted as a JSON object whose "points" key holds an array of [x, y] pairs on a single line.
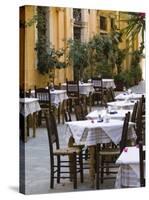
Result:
{"points": [[77, 57], [119, 80]]}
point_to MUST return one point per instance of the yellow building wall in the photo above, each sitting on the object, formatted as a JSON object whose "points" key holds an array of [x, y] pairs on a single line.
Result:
{"points": [[60, 30]]}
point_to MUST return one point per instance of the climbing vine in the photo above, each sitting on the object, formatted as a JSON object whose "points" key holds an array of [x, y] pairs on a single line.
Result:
{"points": [[48, 57]]}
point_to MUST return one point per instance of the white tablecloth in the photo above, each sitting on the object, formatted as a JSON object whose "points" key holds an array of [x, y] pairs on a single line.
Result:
{"points": [[128, 174], [84, 88], [29, 106], [93, 132], [125, 96], [107, 83], [57, 96], [118, 114], [122, 104]]}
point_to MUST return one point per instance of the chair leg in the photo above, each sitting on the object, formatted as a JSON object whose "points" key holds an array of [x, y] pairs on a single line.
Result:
{"points": [[102, 169], [52, 175], [58, 169], [28, 120], [39, 118], [34, 124], [74, 171], [86, 154], [69, 105], [107, 169], [58, 113], [90, 102], [81, 167], [97, 169]]}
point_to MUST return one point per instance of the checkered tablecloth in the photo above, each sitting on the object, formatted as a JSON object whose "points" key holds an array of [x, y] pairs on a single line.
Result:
{"points": [[29, 106], [127, 177], [84, 88], [116, 114], [125, 95], [57, 96], [107, 82], [126, 104], [94, 132], [128, 173]]}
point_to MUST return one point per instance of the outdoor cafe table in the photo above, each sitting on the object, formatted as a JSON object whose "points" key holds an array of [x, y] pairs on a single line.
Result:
{"points": [[128, 173], [84, 88], [126, 104], [115, 114], [57, 96], [87, 88], [107, 82], [92, 132], [29, 106], [127, 96]]}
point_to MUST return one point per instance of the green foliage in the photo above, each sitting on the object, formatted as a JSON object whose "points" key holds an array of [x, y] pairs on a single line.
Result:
{"points": [[134, 74], [120, 56], [119, 77], [77, 56], [105, 54], [135, 69], [136, 25], [98, 56], [48, 57], [28, 23]]}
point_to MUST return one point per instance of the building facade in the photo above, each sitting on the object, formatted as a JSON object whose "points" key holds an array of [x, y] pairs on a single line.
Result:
{"points": [[63, 24]]}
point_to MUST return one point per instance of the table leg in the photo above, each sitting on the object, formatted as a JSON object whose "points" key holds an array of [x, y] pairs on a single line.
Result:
{"points": [[59, 113], [91, 150], [63, 108], [26, 129], [34, 124], [90, 102]]}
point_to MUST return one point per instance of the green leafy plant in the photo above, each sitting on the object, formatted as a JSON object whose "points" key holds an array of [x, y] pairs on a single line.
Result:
{"points": [[104, 53], [77, 56], [135, 69], [48, 57], [136, 25]]}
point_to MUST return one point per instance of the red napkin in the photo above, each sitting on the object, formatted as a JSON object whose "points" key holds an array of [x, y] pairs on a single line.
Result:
{"points": [[125, 149]]}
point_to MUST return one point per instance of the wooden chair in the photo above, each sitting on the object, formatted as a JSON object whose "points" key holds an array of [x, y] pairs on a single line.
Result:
{"points": [[67, 116], [139, 121], [98, 89], [43, 95], [108, 96], [23, 93], [79, 112], [71, 142], [141, 164], [134, 112], [54, 86], [73, 93], [106, 156], [57, 110], [56, 152], [111, 94], [143, 118]]}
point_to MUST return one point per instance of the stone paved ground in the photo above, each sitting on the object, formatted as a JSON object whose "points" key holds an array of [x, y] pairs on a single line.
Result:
{"points": [[37, 163]]}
